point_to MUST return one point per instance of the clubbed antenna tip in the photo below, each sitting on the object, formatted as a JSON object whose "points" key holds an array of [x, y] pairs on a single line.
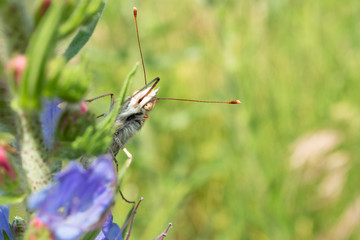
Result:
{"points": [[138, 38], [235, 102]]}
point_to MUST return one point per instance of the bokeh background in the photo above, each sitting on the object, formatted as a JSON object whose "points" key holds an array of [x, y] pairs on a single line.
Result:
{"points": [[282, 165]]}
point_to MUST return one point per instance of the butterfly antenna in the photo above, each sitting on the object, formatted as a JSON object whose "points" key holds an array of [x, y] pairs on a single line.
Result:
{"points": [[201, 101], [137, 34]]}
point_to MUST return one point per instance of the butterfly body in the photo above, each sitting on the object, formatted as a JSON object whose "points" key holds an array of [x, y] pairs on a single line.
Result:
{"points": [[132, 116]]}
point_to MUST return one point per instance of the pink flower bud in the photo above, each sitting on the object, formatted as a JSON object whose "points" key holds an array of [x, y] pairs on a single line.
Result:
{"points": [[4, 163], [37, 223], [37, 227], [83, 107], [16, 67]]}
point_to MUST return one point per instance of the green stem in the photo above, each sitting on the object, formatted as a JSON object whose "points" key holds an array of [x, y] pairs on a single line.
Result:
{"points": [[32, 151]]}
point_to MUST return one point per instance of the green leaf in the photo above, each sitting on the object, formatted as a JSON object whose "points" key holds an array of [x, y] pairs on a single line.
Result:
{"points": [[6, 237], [94, 5], [75, 19], [82, 13], [126, 84], [83, 35], [40, 46], [10, 198], [5, 136]]}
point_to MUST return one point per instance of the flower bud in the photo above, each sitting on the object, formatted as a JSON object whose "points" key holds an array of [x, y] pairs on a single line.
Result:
{"points": [[16, 67], [73, 84], [18, 227], [5, 165], [73, 122]]}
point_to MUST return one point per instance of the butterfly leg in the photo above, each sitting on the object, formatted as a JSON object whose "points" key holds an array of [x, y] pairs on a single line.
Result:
{"points": [[115, 160], [117, 170], [115, 147], [128, 154], [101, 96], [128, 162]]}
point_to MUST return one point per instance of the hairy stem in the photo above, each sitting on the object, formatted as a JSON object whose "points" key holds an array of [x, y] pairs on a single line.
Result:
{"points": [[32, 151]]}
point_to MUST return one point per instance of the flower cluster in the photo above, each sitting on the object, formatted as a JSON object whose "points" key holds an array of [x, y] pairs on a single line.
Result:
{"points": [[55, 169], [45, 125]]}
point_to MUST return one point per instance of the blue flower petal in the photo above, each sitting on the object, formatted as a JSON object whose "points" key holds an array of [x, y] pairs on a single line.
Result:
{"points": [[35, 200], [67, 232], [4, 222], [110, 230], [114, 232], [49, 118], [78, 199]]}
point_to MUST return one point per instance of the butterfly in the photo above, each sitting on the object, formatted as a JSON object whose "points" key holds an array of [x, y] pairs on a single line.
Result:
{"points": [[136, 108]]}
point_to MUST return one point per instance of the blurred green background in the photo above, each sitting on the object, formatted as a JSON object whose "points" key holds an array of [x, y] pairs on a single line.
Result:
{"points": [[282, 165]]}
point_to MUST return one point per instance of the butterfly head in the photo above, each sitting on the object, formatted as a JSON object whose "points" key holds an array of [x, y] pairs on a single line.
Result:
{"points": [[136, 108], [145, 98]]}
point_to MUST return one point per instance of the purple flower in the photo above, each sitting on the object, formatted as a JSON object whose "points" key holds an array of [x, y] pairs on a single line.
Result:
{"points": [[49, 118], [4, 222], [79, 199], [110, 230]]}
